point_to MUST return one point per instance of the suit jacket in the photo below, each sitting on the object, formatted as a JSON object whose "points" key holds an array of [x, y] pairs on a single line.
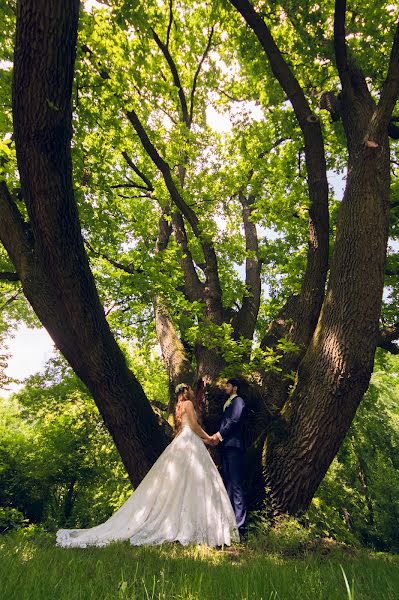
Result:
{"points": [[232, 426]]}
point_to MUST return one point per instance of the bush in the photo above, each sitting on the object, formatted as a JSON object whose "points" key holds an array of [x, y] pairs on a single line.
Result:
{"points": [[11, 518], [286, 536]]}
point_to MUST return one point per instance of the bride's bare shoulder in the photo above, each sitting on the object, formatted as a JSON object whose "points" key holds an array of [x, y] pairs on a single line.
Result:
{"points": [[188, 405]]}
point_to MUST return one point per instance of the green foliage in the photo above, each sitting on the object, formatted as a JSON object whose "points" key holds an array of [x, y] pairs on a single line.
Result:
{"points": [[120, 220], [51, 436], [287, 536], [58, 463], [358, 500], [10, 518], [120, 67], [148, 367]]}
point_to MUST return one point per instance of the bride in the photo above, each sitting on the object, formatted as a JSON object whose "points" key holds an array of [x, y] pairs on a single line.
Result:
{"points": [[182, 498]]}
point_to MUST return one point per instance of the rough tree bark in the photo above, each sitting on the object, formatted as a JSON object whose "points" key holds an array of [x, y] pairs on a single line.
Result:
{"points": [[335, 371], [174, 356], [48, 251], [335, 355]]}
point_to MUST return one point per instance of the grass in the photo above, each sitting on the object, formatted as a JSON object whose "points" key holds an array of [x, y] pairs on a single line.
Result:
{"points": [[34, 569]]}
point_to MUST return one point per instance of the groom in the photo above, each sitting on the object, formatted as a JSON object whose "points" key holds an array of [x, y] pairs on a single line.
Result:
{"points": [[230, 437]]}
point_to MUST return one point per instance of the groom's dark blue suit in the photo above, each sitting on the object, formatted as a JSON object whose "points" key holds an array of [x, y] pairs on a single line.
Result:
{"points": [[232, 451]]}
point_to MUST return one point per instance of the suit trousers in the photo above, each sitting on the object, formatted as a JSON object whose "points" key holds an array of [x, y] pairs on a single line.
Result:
{"points": [[232, 467]]}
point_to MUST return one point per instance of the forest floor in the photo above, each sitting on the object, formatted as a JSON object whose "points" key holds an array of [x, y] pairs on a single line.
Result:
{"points": [[32, 568]]}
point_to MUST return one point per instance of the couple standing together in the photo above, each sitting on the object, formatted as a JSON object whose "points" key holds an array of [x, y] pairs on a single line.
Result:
{"points": [[183, 498]]}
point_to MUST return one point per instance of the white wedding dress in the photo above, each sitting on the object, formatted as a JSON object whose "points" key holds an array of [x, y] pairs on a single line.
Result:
{"points": [[182, 498]]}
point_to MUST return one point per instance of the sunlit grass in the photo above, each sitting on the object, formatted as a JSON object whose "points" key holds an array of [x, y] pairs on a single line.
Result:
{"points": [[34, 569]]}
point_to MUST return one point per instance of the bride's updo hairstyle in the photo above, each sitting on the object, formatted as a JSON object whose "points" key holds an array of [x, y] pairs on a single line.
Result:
{"points": [[183, 392]]}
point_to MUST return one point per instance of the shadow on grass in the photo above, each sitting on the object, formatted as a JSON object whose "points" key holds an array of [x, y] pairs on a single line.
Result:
{"points": [[33, 568]]}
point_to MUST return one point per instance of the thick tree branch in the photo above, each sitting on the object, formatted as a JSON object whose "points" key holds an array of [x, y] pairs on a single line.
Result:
{"points": [[193, 287], [13, 232], [9, 276], [164, 231], [317, 263], [341, 56], [212, 288], [173, 352], [388, 334], [299, 317], [213, 291], [389, 93], [245, 320], [164, 168], [280, 68], [176, 79], [390, 88]]}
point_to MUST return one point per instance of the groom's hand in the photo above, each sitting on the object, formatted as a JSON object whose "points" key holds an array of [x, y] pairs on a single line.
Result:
{"points": [[214, 440]]}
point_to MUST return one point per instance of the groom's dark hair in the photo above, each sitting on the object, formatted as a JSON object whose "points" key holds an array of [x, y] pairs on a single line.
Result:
{"points": [[235, 383]]}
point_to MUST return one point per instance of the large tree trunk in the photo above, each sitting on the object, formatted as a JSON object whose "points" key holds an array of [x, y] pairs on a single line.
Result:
{"points": [[174, 355], [48, 254], [336, 366], [335, 372]]}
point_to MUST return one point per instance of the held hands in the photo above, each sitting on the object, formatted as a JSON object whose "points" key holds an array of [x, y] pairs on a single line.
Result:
{"points": [[213, 440]]}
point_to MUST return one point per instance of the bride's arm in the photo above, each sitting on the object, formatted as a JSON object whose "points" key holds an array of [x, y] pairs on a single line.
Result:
{"points": [[193, 422]]}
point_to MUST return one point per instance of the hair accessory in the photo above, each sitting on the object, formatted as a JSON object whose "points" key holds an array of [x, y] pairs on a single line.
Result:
{"points": [[180, 387]]}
